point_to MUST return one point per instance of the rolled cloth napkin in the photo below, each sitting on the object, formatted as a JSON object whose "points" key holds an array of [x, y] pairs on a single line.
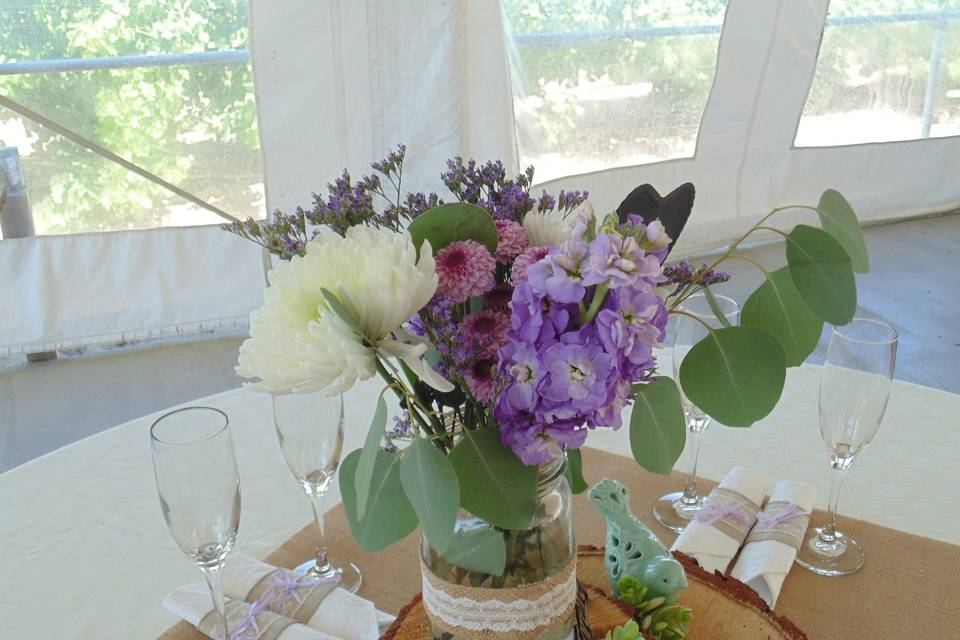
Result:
{"points": [[192, 603], [720, 527], [318, 604], [772, 545]]}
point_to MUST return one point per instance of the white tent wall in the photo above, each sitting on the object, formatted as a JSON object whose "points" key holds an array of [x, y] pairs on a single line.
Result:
{"points": [[341, 82], [59, 292]]}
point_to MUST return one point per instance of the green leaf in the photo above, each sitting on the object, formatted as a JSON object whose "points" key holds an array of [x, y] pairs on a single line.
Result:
{"points": [[575, 471], [389, 515], [450, 223], [431, 486], [777, 308], [658, 429], [839, 220], [482, 550], [494, 484], [734, 375], [368, 455], [715, 306], [822, 273]]}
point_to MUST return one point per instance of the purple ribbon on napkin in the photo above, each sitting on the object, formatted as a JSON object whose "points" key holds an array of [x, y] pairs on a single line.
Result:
{"points": [[767, 520], [712, 512], [249, 623], [285, 585]]}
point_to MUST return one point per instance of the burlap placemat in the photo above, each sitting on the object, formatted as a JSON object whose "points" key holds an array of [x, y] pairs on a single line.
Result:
{"points": [[909, 588]]}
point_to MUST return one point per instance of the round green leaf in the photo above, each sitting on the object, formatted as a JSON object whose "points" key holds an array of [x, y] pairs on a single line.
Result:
{"points": [[777, 308], [658, 430], [839, 220], [735, 375], [430, 483], [822, 273], [482, 550], [388, 516], [453, 222], [494, 484], [368, 456]]}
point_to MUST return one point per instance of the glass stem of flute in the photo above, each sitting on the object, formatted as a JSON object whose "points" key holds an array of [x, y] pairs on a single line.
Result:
{"points": [[697, 426], [828, 531], [214, 578], [318, 518]]}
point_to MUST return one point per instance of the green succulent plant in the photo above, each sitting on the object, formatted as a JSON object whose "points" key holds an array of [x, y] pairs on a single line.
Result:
{"points": [[629, 631], [657, 620]]}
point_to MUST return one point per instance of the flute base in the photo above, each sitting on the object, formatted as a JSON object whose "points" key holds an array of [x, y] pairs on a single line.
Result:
{"points": [[841, 557], [673, 512], [350, 577]]}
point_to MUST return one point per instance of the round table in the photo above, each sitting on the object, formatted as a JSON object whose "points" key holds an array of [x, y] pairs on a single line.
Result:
{"points": [[86, 552]]}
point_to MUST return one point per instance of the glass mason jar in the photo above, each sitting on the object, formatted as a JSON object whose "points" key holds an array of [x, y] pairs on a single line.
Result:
{"points": [[539, 561]]}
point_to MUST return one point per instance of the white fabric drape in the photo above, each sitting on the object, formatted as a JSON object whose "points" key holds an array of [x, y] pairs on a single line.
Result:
{"points": [[340, 82], [59, 292]]}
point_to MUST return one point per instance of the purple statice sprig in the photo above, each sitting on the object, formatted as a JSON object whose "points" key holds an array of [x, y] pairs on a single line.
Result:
{"points": [[488, 186], [689, 280], [286, 236]]}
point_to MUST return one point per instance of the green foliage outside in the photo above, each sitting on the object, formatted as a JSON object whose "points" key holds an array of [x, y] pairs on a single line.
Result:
{"points": [[195, 125]]}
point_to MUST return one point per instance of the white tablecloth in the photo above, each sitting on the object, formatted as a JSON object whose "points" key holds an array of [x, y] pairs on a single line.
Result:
{"points": [[86, 554]]}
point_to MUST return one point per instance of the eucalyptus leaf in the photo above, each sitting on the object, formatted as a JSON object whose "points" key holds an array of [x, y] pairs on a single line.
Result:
{"points": [[658, 429], [494, 484], [451, 223], [430, 483], [715, 306], [575, 471], [734, 375], [839, 220], [368, 456], [822, 273], [777, 308], [389, 515], [482, 550]]}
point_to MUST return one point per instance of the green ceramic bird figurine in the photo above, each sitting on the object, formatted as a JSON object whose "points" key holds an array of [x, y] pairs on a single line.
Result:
{"points": [[632, 549]]}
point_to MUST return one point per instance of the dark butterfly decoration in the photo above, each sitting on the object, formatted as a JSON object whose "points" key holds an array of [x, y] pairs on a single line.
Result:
{"points": [[673, 210]]}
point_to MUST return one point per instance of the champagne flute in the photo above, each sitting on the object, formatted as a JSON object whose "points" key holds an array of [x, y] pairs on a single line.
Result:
{"points": [[310, 430], [199, 489], [675, 510], [854, 389]]}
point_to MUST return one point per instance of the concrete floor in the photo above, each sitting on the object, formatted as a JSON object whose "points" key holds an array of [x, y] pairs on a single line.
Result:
{"points": [[914, 283]]}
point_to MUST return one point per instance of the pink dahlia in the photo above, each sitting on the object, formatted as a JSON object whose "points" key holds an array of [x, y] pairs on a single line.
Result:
{"points": [[525, 259], [487, 328], [465, 269], [479, 377], [513, 240]]}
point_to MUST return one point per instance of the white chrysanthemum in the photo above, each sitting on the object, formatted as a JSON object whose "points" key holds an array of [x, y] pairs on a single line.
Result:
{"points": [[298, 344], [552, 227]]}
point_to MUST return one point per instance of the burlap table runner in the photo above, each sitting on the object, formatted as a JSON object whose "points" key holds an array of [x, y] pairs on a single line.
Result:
{"points": [[909, 588]]}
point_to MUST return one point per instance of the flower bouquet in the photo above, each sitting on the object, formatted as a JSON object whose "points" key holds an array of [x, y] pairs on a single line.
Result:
{"points": [[508, 326]]}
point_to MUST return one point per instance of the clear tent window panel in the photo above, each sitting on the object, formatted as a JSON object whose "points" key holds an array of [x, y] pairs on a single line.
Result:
{"points": [[888, 70], [609, 83], [165, 84]]}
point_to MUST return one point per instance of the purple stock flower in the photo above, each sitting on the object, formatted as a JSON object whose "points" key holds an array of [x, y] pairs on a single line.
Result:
{"points": [[565, 372], [560, 274]]}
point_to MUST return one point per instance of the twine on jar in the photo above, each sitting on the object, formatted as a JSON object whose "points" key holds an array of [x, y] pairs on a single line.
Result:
{"points": [[518, 613]]}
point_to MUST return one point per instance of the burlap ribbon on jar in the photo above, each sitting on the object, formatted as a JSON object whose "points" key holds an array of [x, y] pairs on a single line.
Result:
{"points": [[518, 613]]}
